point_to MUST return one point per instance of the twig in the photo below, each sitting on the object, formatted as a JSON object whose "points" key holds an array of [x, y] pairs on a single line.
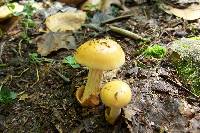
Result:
{"points": [[116, 19], [125, 32], [60, 75], [21, 73]]}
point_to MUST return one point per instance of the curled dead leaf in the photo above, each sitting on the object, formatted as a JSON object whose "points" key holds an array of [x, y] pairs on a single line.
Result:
{"points": [[67, 21], [192, 12], [50, 42]]}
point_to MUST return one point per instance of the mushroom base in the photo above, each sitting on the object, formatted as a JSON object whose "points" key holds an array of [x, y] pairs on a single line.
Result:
{"points": [[92, 101]]}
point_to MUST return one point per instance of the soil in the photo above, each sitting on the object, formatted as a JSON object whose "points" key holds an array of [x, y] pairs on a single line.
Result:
{"points": [[46, 102]]}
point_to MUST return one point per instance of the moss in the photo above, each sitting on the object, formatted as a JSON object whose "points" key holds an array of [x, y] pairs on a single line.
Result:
{"points": [[186, 58], [189, 73], [155, 51]]}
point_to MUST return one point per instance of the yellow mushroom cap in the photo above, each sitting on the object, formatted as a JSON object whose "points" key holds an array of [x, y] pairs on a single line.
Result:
{"points": [[116, 94], [103, 54]]}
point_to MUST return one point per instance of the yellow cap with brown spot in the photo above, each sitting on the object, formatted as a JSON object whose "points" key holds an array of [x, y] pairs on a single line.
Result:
{"points": [[102, 54]]}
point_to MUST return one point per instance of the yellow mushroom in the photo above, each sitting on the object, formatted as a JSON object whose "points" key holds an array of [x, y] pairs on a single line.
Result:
{"points": [[115, 94], [98, 55]]}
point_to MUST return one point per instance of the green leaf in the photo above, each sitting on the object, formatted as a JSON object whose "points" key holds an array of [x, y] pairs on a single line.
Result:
{"points": [[28, 9], [70, 60], [34, 58]]}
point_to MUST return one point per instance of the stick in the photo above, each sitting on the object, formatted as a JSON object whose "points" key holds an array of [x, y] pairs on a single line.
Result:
{"points": [[125, 33]]}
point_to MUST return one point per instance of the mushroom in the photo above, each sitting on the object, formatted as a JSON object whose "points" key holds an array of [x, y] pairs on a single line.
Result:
{"points": [[115, 94], [98, 55]]}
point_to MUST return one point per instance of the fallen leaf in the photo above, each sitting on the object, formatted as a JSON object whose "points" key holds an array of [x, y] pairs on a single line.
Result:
{"points": [[50, 42], [192, 12], [5, 12], [67, 21]]}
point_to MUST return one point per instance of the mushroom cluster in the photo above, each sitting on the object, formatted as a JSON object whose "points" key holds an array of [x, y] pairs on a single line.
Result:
{"points": [[98, 55]]}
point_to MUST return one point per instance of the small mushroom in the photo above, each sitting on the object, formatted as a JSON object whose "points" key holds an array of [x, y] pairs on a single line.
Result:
{"points": [[115, 94], [97, 55]]}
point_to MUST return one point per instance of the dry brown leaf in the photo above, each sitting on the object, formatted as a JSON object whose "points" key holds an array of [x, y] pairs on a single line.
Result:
{"points": [[50, 42], [5, 12], [190, 13], [67, 21]]}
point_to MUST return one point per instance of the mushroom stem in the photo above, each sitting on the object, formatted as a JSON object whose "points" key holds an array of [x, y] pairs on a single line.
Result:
{"points": [[92, 86], [112, 114]]}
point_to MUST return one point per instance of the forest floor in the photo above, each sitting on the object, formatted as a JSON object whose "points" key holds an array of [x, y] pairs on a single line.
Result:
{"points": [[46, 101]]}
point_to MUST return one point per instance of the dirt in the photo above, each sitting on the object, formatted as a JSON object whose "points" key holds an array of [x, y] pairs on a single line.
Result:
{"points": [[50, 104]]}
